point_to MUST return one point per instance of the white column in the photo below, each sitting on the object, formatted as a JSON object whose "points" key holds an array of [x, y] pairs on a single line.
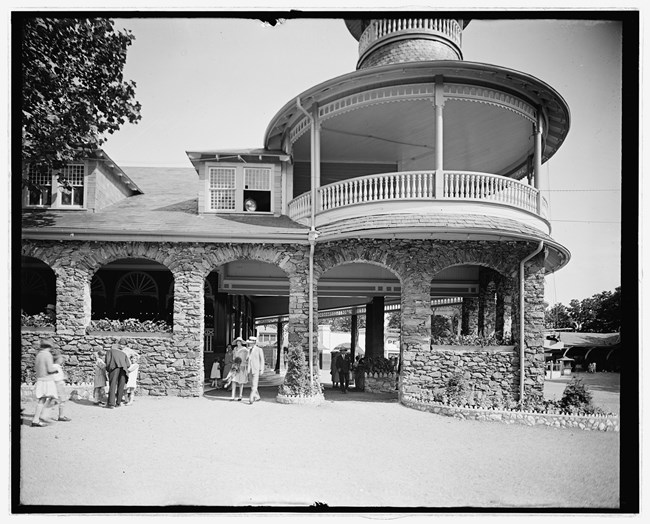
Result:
{"points": [[315, 157], [439, 103], [537, 159]]}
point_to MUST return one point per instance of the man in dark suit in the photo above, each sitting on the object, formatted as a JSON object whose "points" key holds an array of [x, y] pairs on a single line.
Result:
{"points": [[343, 367], [117, 364]]}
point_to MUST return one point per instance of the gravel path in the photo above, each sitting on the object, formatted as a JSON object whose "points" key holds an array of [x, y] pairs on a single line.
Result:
{"points": [[355, 450]]}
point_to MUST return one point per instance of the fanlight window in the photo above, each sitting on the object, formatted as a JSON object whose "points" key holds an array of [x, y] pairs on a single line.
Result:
{"points": [[97, 287], [31, 283], [136, 283]]}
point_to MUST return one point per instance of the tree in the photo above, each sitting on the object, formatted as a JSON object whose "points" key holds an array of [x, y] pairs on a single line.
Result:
{"points": [[73, 89], [440, 326], [557, 317], [395, 320], [607, 312]]}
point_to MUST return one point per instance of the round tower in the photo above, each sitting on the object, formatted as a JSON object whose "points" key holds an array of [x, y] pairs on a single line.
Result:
{"points": [[397, 40]]}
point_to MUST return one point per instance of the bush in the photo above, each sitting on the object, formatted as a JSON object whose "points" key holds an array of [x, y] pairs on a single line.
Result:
{"points": [[456, 388], [377, 364], [470, 340], [296, 381], [38, 320], [576, 395], [130, 324]]}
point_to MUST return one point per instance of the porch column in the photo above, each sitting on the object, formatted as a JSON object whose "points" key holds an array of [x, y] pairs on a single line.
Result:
{"points": [[503, 330], [534, 365], [370, 331], [73, 302], [469, 315], [221, 327], [415, 330], [354, 334], [299, 319], [487, 302], [537, 158], [238, 323], [439, 104], [278, 344], [187, 377], [377, 326]]}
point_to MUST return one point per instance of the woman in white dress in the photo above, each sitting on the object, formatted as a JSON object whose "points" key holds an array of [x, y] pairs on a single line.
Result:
{"points": [[241, 377]]}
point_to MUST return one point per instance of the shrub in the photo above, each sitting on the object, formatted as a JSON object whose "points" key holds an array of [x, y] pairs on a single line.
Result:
{"points": [[130, 324], [37, 320], [456, 388], [377, 364], [296, 381], [576, 395], [470, 340]]}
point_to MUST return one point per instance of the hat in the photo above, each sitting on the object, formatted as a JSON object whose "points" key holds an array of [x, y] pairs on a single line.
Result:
{"points": [[238, 339], [47, 343], [252, 339], [50, 306]]}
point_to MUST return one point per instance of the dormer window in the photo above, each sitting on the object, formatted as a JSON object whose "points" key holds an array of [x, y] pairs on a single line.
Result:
{"points": [[61, 192], [240, 188]]}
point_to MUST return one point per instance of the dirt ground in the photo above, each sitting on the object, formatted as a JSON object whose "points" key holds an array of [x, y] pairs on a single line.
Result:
{"points": [[356, 450]]}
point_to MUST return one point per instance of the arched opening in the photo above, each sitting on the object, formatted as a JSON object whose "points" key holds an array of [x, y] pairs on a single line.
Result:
{"points": [[357, 306], [245, 298], [471, 305], [132, 288], [37, 288]]}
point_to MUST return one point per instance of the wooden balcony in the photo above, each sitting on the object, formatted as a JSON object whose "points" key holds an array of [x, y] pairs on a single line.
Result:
{"points": [[423, 192]]}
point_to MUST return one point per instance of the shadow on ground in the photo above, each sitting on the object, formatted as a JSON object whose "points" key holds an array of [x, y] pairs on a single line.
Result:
{"points": [[269, 393]]}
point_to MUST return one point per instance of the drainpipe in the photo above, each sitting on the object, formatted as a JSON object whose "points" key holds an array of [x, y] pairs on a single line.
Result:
{"points": [[521, 319], [312, 235]]}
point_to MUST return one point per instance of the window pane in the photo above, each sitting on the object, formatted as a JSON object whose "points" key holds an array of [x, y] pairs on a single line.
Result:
{"points": [[257, 178], [73, 176], [222, 199], [222, 178], [78, 196]]}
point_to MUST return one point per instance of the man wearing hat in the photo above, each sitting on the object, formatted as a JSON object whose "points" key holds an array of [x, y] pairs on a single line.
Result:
{"points": [[117, 365], [343, 367], [45, 385], [255, 368]]}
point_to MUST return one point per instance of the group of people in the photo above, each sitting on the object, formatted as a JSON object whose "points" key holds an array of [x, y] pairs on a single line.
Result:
{"points": [[118, 368], [342, 367], [242, 363], [119, 363]]}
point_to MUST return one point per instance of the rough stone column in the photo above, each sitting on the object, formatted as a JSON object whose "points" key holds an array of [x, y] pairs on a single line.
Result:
{"points": [[415, 330], [504, 309], [533, 326], [299, 318], [470, 316], [187, 359], [487, 302], [73, 303]]}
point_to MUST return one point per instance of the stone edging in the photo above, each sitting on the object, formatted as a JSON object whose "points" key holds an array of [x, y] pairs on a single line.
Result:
{"points": [[284, 399], [129, 334], [586, 422], [78, 391]]}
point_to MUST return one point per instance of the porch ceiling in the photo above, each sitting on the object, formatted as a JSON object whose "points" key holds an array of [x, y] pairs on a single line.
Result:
{"points": [[477, 137]]}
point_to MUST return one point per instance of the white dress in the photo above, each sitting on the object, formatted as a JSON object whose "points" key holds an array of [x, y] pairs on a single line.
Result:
{"points": [[215, 371], [132, 381]]}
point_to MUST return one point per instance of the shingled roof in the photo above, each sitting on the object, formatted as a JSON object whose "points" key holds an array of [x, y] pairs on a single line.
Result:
{"points": [[167, 210]]}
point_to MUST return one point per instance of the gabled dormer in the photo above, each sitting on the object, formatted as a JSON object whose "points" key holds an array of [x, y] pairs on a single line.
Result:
{"points": [[252, 181], [89, 184]]}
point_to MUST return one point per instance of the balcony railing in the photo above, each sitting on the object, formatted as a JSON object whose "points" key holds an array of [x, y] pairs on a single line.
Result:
{"points": [[379, 29], [422, 186]]}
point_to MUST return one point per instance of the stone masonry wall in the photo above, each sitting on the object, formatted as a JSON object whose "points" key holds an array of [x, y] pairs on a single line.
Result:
{"points": [[492, 372], [173, 365]]}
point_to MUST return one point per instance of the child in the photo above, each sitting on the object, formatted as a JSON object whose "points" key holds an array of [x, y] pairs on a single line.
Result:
{"points": [[99, 381], [132, 381], [59, 380], [234, 369], [215, 373]]}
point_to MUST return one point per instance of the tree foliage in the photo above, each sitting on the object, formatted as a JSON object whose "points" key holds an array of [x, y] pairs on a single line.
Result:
{"points": [[73, 88], [600, 313]]}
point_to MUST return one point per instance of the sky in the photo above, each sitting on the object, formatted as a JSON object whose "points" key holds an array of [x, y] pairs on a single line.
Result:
{"points": [[216, 84]]}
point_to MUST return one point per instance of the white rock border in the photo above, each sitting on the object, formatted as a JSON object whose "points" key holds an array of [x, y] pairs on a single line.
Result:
{"points": [[528, 418], [298, 399]]}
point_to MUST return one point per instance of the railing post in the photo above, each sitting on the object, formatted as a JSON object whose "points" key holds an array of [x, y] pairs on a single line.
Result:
{"points": [[440, 181]]}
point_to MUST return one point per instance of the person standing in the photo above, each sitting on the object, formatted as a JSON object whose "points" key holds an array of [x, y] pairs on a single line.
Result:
{"points": [[343, 368], [45, 386], [117, 365], [256, 368], [333, 371], [227, 361], [59, 381], [241, 377], [99, 380]]}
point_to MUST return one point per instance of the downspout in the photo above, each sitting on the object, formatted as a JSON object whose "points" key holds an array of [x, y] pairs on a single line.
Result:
{"points": [[521, 319], [312, 235]]}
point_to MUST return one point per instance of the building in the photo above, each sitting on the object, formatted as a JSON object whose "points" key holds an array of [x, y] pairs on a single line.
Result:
{"points": [[412, 179]]}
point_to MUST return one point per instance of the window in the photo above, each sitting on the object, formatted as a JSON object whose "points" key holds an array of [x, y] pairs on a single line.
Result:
{"points": [[240, 189], [66, 190]]}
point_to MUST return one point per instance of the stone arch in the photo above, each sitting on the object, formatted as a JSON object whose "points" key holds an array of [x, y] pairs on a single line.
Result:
{"points": [[37, 286], [93, 258], [277, 255]]}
